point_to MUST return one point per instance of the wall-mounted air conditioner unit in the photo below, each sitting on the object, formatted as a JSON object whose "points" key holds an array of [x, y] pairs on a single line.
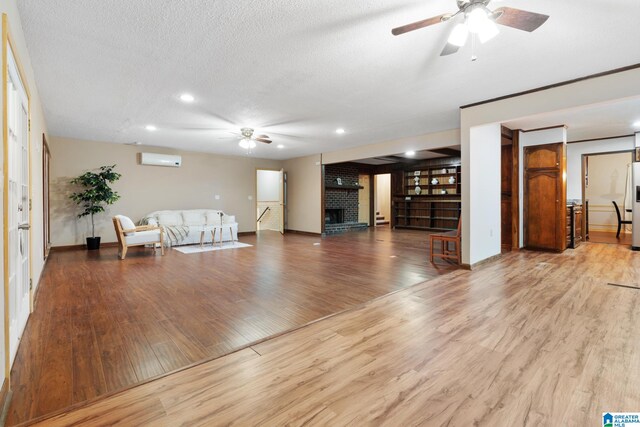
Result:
{"points": [[153, 159]]}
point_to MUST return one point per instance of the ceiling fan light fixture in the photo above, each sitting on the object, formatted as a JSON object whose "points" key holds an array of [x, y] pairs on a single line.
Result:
{"points": [[459, 34], [489, 31], [477, 20], [247, 144]]}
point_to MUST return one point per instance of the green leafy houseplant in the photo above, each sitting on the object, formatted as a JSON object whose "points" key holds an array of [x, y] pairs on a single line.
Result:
{"points": [[96, 194]]}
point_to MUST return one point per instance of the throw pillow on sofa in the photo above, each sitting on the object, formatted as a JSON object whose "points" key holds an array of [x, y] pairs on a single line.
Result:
{"points": [[169, 219], [214, 218], [193, 218]]}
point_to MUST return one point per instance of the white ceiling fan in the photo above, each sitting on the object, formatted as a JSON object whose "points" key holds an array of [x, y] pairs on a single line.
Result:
{"points": [[248, 140], [479, 21]]}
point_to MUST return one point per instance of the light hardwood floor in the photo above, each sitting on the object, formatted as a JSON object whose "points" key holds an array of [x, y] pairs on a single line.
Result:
{"points": [[102, 324], [610, 237], [531, 339]]}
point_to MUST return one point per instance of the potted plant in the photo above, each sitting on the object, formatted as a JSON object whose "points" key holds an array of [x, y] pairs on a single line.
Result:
{"points": [[96, 195]]}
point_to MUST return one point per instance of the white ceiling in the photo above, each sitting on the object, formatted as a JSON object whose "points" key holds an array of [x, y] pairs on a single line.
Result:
{"points": [[295, 70], [590, 122]]}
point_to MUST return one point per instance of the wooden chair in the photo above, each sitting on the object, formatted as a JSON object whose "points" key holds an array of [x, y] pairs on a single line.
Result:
{"points": [[137, 236], [446, 239], [620, 220]]}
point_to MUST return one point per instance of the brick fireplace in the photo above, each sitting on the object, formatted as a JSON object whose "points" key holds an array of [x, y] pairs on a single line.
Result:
{"points": [[341, 199]]}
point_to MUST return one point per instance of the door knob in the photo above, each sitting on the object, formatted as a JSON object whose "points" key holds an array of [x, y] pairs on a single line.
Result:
{"points": [[24, 226]]}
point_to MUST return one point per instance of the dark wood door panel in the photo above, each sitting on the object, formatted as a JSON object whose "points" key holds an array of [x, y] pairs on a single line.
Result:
{"points": [[547, 156], [507, 169], [505, 212], [541, 201], [506, 198]]}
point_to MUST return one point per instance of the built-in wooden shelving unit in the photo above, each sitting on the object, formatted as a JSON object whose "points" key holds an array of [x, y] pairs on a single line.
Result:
{"points": [[428, 198]]}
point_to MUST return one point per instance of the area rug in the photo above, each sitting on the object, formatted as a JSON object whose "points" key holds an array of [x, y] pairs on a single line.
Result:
{"points": [[195, 249]]}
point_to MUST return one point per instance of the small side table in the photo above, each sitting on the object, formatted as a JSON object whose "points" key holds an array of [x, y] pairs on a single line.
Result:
{"points": [[207, 229], [219, 228]]}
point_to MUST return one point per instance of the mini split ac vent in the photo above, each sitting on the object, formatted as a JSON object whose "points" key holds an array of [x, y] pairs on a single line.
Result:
{"points": [[153, 159]]}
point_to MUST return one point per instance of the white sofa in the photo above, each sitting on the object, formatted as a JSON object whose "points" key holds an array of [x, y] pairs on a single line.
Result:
{"points": [[193, 221]]}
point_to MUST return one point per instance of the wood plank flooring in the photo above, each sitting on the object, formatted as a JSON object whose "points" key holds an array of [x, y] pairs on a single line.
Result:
{"points": [[102, 324], [531, 339], [609, 237]]}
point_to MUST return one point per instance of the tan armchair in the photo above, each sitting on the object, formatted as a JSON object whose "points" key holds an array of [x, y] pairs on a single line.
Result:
{"points": [[130, 235]]}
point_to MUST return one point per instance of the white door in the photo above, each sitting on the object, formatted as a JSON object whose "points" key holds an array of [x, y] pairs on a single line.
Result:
{"points": [[18, 206]]}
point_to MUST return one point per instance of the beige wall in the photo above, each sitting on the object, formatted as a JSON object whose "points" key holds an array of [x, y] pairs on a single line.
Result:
{"points": [[304, 183], [607, 182], [144, 189]]}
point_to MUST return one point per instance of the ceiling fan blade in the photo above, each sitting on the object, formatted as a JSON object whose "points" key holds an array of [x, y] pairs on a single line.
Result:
{"points": [[449, 49], [420, 24], [519, 19], [266, 141], [262, 136]]}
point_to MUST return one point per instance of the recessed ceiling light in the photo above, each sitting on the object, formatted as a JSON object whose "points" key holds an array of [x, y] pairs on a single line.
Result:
{"points": [[186, 97], [339, 131], [280, 146], [636, 124], [151, 128], [410, 153]]}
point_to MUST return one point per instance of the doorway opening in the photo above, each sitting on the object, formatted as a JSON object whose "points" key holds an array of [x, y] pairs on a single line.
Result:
{"points": [[509, 190], [608, 196], [270, 200], [417, 190], [382, 194]]}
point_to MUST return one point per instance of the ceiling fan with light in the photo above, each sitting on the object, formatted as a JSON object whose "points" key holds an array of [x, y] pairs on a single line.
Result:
{"points": [[479, 21], [248, 140]]}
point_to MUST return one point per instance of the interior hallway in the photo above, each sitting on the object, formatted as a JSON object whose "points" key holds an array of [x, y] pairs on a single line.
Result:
{"points": [[531, 339]]}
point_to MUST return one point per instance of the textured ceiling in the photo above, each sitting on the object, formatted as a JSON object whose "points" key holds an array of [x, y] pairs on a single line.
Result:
{"points": [[590, 122], [295, 70]]}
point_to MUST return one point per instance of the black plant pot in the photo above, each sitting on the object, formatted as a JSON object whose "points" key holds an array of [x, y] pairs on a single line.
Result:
{"points": [[93, 243]]}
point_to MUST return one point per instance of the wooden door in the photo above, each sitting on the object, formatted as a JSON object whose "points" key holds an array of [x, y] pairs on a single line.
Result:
{"points": [[506, 197], [545, 197]]}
